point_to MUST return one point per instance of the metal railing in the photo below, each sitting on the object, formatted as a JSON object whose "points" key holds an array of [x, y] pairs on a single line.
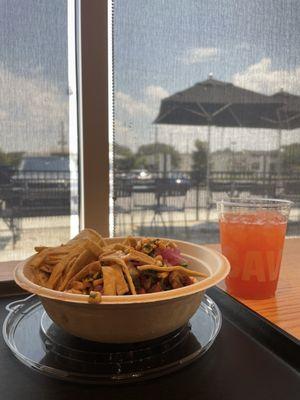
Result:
{"points": [[35, 193], [48, 193]]}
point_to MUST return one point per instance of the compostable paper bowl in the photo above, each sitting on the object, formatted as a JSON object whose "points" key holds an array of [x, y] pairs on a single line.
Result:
{"points": [[131, 318]]}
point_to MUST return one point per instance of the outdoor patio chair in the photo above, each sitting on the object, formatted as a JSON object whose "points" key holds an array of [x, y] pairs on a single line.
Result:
{"points": [[10, 210], [169, 198], [123, 206]]}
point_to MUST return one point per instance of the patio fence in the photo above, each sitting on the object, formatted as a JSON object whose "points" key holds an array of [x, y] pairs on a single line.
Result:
{"points": [[48, 193]]}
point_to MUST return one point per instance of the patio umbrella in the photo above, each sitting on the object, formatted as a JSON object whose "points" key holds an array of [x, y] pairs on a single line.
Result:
{"points": [[218, 103], [287, 117]]}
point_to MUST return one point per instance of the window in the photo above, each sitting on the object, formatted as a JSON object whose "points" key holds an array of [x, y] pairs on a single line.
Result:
{"points": [[170, 165], [38, 153]]}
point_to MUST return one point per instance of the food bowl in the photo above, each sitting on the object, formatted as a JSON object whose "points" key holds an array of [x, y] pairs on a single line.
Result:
{"points": [[130, 318]]}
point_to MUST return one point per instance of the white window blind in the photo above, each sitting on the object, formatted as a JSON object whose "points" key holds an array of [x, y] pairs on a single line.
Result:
{"points": [[167, 175], [38, 125]]}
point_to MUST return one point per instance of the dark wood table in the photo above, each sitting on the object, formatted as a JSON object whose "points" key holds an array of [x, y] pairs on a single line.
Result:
{"points": [[283, 310]]}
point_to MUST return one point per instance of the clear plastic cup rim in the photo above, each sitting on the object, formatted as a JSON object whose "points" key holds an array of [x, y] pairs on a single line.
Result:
{"points": [[255, 203]]}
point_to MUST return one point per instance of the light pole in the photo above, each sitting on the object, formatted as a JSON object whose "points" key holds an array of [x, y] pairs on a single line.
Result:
{"points": [[232, 184]]}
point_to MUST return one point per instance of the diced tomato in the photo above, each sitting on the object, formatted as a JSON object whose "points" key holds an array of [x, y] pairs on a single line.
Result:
{"points": [[87, 285], [98, 288], [175, 280], [146, 281], [186, 280], [155, 288]]}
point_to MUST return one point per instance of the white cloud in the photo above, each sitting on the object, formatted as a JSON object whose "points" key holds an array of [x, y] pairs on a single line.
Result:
{"points": [[31, 112], [133, 117], [262, 78], [125, 102], [156, 93], [145, 108], [122, 127], [199, 55]]}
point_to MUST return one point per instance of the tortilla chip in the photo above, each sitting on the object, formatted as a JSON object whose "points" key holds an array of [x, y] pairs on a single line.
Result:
{"points": [[121, 285], [135, 255], [36, 260], [90, 234], [38, 249], [93, 247], [34, 263], [86, 257], [59, 252], [170, 269], [112, 248], [91, 267], [59, 268], [130, 241], [42, 278], [84, 252], [46, 268], [62, 277], [112, 253], [109, 281], [51, 262], [119, 261]]}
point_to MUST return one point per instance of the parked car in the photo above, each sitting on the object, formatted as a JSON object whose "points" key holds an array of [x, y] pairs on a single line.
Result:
{"points": [[43, 172], [44, 184], [6, 173], [179, 178], [133, 177]]}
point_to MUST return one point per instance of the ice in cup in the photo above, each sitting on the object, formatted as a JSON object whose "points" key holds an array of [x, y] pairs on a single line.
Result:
{"points": [[252, 233]]}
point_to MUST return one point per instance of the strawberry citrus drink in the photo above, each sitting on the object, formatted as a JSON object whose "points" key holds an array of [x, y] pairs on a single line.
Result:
{"points": [[252, 240]]}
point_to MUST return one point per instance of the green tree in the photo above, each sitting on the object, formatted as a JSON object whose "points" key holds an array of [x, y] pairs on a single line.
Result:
{"points": [[156, 148], [11, 159], [125, 159], [290, 158], [199, 161]]}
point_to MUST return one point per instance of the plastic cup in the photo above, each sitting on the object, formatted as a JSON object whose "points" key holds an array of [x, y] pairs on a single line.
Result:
{"points": [[252, 233]]}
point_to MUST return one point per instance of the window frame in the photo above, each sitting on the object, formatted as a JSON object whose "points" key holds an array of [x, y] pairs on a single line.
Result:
{"points": [[93, 94]]}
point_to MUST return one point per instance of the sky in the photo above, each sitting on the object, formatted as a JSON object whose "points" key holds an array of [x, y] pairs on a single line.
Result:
{"points": [[160, 47], [33, 74], [165, 46]]}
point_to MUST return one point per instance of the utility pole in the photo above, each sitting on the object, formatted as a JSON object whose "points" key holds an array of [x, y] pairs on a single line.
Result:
{"points": [[62, 142]]}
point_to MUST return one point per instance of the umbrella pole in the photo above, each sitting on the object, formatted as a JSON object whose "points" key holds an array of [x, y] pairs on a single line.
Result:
{"points": [[208, 171], [156, 157], [279, 166]]}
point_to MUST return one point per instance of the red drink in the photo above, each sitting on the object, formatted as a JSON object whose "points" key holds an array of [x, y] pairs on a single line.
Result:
{"points": [[252, 240]]}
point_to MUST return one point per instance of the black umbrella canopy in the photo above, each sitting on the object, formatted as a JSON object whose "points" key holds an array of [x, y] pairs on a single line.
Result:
{"points": [[218, 103], [288, 116]]}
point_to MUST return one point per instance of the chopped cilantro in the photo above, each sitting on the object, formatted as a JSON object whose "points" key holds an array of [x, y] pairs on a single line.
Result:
{"points": [[147, 248], [184, 264]]}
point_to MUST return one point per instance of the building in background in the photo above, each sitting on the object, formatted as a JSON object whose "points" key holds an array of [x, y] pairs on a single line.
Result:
{"points": [[186, 162], [261, 162]]}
